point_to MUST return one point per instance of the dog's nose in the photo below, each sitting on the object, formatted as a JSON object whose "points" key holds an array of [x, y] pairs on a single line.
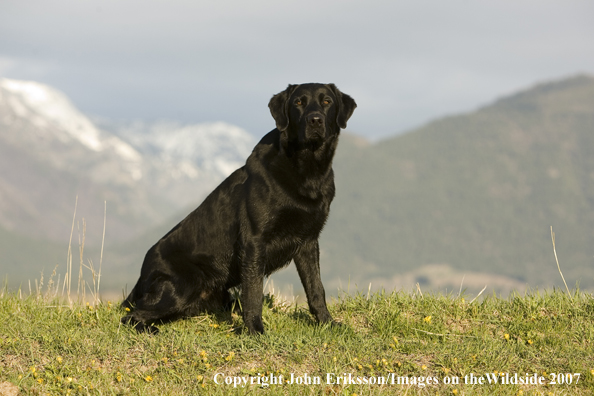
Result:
{"points": [[315, 120]]}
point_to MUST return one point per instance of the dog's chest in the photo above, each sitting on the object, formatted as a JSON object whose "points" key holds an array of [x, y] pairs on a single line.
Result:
{"points": [[287, 231], [297, 223]]}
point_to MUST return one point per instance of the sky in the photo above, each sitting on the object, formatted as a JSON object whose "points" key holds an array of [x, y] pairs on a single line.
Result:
{"points": [[404, 62]]}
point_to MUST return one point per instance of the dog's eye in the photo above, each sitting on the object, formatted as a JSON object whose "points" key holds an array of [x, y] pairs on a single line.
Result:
{"points": [[326, 101], [298, 102]]}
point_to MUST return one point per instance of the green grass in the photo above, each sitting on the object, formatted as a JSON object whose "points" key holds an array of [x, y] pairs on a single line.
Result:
{"points": [[49, 347]]}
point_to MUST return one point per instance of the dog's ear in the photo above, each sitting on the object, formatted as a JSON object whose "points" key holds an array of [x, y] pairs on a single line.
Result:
{"points": [[279, 107], [346, 106]]}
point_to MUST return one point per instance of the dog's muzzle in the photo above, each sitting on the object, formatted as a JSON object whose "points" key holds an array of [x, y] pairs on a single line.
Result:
{"points": [[315, 126], [315, 120]]}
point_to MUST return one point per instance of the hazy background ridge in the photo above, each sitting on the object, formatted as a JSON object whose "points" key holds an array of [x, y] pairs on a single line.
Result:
{"points": [[470, 196]]}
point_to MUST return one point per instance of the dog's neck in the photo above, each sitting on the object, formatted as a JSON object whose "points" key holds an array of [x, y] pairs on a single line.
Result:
{"points": [[313, 158]]}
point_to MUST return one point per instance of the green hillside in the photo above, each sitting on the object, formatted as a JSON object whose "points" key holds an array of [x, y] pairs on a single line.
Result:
{"points": [[475, 193], [389, 344]]}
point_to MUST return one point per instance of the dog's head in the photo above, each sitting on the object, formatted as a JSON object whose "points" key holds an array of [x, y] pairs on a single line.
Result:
{"points": [[310, 113]]}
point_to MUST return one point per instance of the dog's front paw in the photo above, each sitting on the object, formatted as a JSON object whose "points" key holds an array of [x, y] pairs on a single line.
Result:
{"points": [[255, 326], [323, 317], [140, 327], [146, 328]]}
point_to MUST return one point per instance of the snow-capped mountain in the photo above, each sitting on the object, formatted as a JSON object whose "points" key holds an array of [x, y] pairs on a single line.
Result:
{"points": [[208, 150], [44, 118], [45, 107], [50, 153]]}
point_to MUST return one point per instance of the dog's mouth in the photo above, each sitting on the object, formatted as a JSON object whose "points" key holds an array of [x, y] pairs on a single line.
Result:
{"points": [[313, 139], [315, 134], [315, 128]]}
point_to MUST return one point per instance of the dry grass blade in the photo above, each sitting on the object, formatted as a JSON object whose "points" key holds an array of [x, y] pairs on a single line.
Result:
{"points": [[419, 289], [102, 245], [461, 283], [478, 295], [558, 266], [68, 276], [52, 287]]}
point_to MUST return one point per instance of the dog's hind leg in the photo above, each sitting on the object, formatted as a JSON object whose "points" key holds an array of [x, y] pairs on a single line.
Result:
{"points": [[252, 283], [132, 297], [159, 303]]}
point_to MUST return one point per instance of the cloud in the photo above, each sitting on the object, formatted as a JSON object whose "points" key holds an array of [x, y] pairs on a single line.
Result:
{"points": [[404, 62]]}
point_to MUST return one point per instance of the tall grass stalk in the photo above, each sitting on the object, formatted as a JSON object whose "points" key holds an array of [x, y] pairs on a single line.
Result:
{"points": [[52, 289], [558, 266], [102, 245], [68, 276]]}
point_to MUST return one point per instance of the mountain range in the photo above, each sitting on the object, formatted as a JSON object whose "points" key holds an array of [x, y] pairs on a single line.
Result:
{"points": [[55, 163], [473, 194], [459, 203]]}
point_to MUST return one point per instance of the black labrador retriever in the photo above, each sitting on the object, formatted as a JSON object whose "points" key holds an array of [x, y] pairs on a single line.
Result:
{"points": [[264, 215]]}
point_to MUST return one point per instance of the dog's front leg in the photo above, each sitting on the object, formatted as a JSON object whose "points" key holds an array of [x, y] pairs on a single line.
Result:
{"points": [[252, 283], [307, 261]]}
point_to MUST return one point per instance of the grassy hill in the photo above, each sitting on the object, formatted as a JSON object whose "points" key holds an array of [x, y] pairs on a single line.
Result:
{"points": [[416, 343], [476, 193]]}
